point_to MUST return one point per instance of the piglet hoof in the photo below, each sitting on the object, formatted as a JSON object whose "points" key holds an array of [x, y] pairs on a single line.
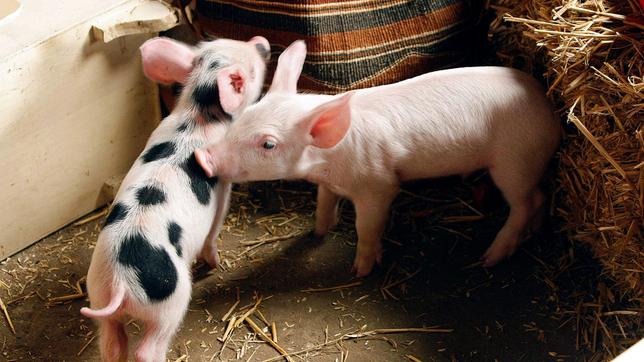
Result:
{"points": [[322, 228], [362, 268], [363, 264], [211, 258], [496, 253], [317, 237]]}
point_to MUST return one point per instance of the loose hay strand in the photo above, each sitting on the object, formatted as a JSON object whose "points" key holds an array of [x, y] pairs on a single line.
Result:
{"points": [[270, 341], [331, 289], [6, 315], [85, 346], [274, 332], [230, 311], [413, 358], [575, 120]]}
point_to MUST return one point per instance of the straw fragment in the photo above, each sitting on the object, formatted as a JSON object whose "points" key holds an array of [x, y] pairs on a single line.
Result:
{"points": [[6, 315]]}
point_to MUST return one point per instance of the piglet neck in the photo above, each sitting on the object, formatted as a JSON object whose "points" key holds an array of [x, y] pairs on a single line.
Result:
{"points": [[317, 165], [202, 114]]}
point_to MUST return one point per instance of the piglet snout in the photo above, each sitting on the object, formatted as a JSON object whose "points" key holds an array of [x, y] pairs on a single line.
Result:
{"points": [[206, 161]]}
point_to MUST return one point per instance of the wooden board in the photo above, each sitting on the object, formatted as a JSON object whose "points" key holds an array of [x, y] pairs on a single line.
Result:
{"points": [[36, 21], [74, 113]]}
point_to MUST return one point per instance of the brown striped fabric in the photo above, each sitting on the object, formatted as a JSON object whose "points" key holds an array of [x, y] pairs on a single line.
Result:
{"points": [[352, 44]]}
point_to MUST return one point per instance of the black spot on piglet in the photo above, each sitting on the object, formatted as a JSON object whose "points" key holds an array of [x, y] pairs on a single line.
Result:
{"points": [[206, 94], [200, 184], [150, 195], [159, 151], [155, 271], [174, 235], [118, 213]]}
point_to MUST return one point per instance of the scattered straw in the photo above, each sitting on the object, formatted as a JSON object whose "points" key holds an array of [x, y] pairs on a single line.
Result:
{"points": [[91, 218], [270, 341], [274, 332], [241, 319], [358, 335], [412, 358], [273, 239], [85, 346], [398, 282], [229, 327], [65, 298], [260, 315], [6, 314], [232, 308], [332, 289]]}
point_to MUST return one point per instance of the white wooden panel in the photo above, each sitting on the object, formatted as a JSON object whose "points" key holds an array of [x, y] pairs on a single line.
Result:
{"points": [[74, 113], [39, 20]]}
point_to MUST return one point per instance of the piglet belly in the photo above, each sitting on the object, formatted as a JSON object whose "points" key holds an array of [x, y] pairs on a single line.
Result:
{"points": [[421, 165]]}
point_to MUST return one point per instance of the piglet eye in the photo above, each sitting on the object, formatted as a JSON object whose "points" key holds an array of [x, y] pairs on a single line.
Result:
{"points": [[269, 145]]}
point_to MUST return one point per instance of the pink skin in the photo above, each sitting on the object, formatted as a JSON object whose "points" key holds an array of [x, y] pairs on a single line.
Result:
{"points": [[362, 145], [114, 296]]}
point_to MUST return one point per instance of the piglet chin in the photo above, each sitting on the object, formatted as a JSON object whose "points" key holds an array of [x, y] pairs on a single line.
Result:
{"points": [[205, 160]]}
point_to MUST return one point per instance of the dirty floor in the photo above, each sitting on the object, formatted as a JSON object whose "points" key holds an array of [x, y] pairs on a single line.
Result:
{"points": [[430, 279]]}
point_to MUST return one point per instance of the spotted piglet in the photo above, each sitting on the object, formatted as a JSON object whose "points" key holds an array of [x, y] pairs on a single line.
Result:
{"points": [[167, 212]]}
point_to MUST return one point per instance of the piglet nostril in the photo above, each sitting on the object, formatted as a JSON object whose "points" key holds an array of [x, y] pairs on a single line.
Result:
{"points": [[205, 94]]}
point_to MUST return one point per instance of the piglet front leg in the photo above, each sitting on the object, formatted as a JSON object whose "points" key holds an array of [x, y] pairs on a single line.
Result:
{"points": [[372, 212], [326, 211], [210, 251]]}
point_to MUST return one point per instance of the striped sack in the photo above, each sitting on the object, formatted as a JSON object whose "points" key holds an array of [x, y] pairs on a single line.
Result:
{"points": [[352, 44]]}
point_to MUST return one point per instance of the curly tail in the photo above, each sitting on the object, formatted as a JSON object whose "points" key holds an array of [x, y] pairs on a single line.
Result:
{"points": [[115, 303]]}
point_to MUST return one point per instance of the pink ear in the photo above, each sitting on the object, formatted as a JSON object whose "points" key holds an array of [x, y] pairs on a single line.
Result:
{"points": [[166, 61], [231, 82], [289, 67], [330, 122]]}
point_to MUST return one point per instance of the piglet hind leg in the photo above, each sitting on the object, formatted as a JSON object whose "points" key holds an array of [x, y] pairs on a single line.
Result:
{"points": [[526, 201], [113, 341], [162, 324], [372, 212], [326, 211], [156, 340]]}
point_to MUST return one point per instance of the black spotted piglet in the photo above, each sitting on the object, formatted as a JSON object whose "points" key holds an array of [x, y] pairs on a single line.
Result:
{"points": [[167, 212]]}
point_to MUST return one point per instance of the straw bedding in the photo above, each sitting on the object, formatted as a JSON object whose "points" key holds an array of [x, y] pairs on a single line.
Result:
{"points": [[590, 54]]}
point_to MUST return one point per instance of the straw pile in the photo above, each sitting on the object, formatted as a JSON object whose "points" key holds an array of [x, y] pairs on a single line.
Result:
{"points": [[590, 54]]}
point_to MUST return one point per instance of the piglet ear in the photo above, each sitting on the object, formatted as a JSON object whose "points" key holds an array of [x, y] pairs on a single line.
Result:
{"points": [[289, 67], [329, 122], [262, 45], [166, 61], [231, 82]]}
